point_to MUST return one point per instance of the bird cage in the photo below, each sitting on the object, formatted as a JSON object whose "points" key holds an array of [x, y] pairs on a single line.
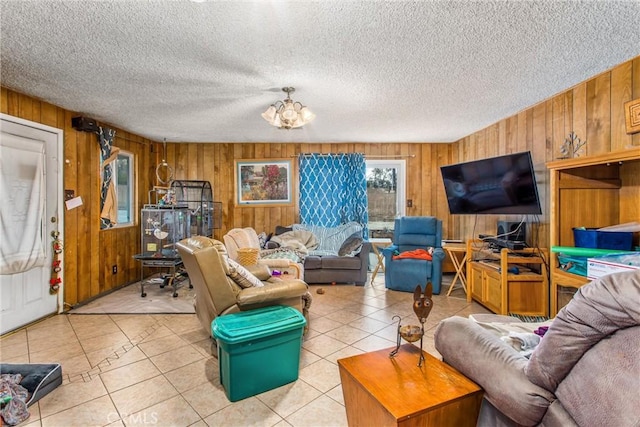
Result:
{"points": [[162, 227], [197, 197]]}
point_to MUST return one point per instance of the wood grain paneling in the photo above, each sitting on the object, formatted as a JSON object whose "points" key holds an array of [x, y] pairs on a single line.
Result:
{"points": [[592, 109], [89, 253]]}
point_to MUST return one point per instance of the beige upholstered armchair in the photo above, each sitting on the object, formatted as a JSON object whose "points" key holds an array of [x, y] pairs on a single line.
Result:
{"points": [[239, 238], [222, 287]]}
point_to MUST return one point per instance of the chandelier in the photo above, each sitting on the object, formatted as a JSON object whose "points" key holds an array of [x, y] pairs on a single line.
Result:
{"points": [[288, 114]]}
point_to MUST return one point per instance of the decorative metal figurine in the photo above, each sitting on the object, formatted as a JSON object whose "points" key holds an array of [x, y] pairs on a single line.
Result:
{"points": [[422, 305], [572, 144]]}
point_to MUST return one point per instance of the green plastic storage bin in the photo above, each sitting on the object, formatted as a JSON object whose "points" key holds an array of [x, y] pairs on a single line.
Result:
{"points": [[258, 350]]}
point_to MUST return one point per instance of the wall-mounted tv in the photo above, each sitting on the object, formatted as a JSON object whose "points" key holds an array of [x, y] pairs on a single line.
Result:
{"points": [[504, 185]]}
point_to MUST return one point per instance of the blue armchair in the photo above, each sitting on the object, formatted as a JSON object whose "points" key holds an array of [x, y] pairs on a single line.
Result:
{"points": [[411, 233]]}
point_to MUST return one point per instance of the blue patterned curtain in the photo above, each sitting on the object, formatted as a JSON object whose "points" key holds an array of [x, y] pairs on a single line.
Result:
{"points": [[108, 194], [333, 189]]}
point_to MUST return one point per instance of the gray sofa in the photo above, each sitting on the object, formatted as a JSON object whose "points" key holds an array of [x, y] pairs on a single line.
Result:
{"points": [[584, 372], [325, 265]]}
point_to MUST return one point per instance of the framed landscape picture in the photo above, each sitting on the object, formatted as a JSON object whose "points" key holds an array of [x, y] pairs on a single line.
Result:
{"points": [[263, 182]]}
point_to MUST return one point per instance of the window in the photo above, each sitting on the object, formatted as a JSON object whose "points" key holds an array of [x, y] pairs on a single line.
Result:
{"points": [[386, 194], [124, 182]]}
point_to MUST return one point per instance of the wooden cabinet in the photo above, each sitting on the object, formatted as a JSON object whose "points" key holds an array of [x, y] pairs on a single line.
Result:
{"points": [[594, 191], [501, 291]]}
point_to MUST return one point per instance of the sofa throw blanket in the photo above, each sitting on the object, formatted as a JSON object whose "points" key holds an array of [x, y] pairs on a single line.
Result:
{"points": [[283, 253], [300, 240]]}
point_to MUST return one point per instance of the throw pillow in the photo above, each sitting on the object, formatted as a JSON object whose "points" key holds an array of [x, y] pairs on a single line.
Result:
{"points": [[351, 246], [242, 276]]}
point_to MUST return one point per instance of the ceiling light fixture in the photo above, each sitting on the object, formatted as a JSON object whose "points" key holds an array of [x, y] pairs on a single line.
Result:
{"points": [[288, 114]]}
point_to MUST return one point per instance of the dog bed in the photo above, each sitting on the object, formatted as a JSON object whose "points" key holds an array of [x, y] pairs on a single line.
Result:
{"points": [[38, 379]]}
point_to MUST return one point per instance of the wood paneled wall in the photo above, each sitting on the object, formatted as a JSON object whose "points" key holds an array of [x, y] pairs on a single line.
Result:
{"points": [[216, 162], [89, 253], [593, 110]]}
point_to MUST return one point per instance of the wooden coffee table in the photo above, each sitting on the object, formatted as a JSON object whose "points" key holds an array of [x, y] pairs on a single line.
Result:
{"points": [[383, 391]]}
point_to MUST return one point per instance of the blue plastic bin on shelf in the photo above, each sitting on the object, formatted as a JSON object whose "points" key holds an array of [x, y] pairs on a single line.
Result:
{"points": [[592, 238], [258, 350]]}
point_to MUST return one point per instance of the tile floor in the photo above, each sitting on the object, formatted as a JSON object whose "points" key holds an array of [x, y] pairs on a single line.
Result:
{"points": [[158, 370]]}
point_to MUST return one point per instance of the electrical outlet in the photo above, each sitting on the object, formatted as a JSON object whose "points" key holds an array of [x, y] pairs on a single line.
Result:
{"points": [[114, 269]]}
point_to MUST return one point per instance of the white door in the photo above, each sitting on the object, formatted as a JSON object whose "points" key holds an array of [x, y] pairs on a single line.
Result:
{"points": [[24, 282]]}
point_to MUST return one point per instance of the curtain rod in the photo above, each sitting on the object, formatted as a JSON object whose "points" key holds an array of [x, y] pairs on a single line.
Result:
{"points": [[370, 156]]}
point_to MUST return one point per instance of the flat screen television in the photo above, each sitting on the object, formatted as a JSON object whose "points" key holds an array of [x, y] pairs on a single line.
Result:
{"points": [[503, 185]]}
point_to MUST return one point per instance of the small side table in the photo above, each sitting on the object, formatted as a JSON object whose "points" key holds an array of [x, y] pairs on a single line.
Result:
{"points": [[458, 254], [377, 244], [383, 391]]}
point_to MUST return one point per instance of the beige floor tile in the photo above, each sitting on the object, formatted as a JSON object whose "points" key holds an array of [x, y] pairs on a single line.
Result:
{"points": [[195, 335], [176, 382], [307, 357], [184, 323], [70, 365], [17, 337], [336, 394], [289, 398], [342, 353], [247, 413], [69, 395], [207, 347], [368, 324], [23, 358], [50, 338], [29, 422], [323, 345], [96, 412], [70, 349], [194, 374], [323, 375], [347, 334], [111, 358], [154, 332], [362, 309], [13, 349], [143, 395], [323, 324], [57, 322], [127, 375], [343, 316], [322, 412], [174, 412], [86, 331], [176, 358], [161, 345], [105, 341], [207, 398], [373, 343]]}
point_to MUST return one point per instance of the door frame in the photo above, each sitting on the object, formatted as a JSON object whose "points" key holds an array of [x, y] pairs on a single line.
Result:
{"points": [[59, 154]]}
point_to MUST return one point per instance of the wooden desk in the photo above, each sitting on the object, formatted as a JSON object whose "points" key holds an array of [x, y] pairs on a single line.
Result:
{"points": [[383, 391], [376, 245], [458, 254]]}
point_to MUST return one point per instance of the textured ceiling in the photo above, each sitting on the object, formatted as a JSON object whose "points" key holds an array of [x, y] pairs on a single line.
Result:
{"points": [[372, 71]]}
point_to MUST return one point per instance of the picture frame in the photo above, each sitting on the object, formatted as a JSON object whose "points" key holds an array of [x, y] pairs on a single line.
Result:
{"points": [[263, 182], [632, 116]]}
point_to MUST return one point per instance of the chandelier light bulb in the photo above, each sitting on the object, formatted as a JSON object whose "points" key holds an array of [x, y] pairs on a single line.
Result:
{"points": [[288, 114]]}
